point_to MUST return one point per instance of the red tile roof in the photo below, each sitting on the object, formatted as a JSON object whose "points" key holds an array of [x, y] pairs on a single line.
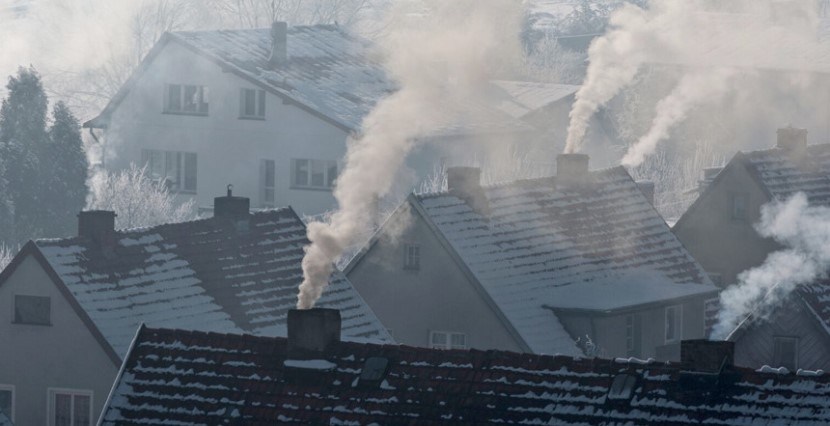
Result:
{"points": [[187, 377]]}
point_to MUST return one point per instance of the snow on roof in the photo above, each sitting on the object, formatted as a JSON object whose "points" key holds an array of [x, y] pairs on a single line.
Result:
{"points": [[540, 245], [520, 98], [187, 377], [207, 274], [783, 174]]}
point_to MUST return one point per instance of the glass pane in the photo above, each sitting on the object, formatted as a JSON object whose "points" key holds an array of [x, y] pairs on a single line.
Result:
{"points": [[31, 310], [174, 97], [190, 168], [63, 410], [261, 106], [332, 174], [156, 164], [250, 102], [301, 172], [6, 402], [170, 170], [270, 173], [439, 339], [191, 98], [459, 340], [82, 417], [670, 324], [318, 173]]}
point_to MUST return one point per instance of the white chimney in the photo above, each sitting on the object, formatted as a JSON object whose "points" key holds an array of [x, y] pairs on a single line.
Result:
{"points": [[792, 139], [279, 44]]}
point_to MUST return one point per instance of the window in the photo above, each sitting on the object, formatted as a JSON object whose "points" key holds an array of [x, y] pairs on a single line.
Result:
{"points": [[251, 103], [411, 257], [32, 310], [7, 401], [69, 407], [176, 169], [739, 204], [633, 335], [785, 352], [674, 327], [447, 340], [711, 307], [186, 99], [313, 174], [267, 183], [622, 387]]}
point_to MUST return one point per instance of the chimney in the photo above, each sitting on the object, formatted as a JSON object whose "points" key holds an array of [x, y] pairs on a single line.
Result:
{"points": [[571, 169], [279, 44], [97, 225], [707, 356], [709, 175], [465, 182], [792, 139], [231, 207], [647, 188], [312, 332]]}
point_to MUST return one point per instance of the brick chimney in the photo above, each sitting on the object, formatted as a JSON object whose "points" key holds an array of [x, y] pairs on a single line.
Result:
{"points": [[647, 188], [98, 226], [465, 183], [571, 170], [792, 139], [707, 356], [231, 207], [279, 44], [312, 332]]}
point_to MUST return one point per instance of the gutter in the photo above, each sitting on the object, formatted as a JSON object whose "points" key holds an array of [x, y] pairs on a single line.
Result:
{"points": [[630, 308]]}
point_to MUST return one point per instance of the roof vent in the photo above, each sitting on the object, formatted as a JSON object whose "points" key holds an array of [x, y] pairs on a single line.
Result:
{"points": [[279, 44], [373, 372], [231, 207], [97, 225], [312, 332], [792, 139], [571, 169], [465, 183]]}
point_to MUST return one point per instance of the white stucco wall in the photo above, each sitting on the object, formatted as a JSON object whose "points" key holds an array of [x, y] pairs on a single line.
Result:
{"points": [[34, 358]]}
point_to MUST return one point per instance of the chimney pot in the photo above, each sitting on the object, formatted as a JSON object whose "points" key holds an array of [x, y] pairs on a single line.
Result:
{"points": [[97, 225], [707, 356], [312, 332], [647, 188], [792, 139], [571, 169], [231, 207], [279, 43], [465, 182]]}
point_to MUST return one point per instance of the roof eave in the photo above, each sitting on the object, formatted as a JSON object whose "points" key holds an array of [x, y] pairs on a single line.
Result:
{"points": [[633, 308]]}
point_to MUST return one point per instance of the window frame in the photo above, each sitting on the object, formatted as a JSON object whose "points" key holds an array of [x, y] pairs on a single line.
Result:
{"points": [[448, 335], [733, 198], [178, 175], [706, 304], [264, 188], [634, 334], [11, 389], [259, 104], [327, 167], [678, 333], [411, 262], [202, 91], [794, 340], [14, 311], [51, 394]]}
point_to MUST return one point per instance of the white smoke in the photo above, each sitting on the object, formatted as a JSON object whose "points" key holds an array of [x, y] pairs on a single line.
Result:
{"points": [[440, 61], [805, 232]]}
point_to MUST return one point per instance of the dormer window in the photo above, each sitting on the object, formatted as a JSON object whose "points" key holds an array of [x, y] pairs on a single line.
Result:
{"points": [[252, 104], [186, 99]]}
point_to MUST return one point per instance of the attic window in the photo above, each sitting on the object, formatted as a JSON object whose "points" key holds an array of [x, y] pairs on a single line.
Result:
{"points": [[251, 103], [374, 370], [186, 99], [622, 387], [411, 257], [35, 310], [738, 204]]}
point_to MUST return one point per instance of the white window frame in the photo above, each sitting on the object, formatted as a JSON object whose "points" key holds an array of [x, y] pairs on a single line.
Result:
{"points": [[678, 324], [328, 182], [266, 188], [177, 175], [10, 388], [202, 91], [411, 263], [50, 403], [259, 103], [795, 341], [449, 335]]}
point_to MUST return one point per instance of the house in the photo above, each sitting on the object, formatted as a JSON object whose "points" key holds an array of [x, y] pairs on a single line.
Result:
{"points": [[281, 102], [572, 264], [70, 307], [252, 380]]}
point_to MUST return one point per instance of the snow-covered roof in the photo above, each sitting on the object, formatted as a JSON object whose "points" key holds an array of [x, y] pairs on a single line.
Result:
{"points": [[174, 377], [783, 172], [209, 274], [329, 72], [519, 98], [543, 246]]}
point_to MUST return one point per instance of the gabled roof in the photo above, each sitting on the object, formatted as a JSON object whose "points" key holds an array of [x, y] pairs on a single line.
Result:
{"points": [[782, 173], [330, 73], [208, 274], [520, 98], [600, 247], [188, 377]]}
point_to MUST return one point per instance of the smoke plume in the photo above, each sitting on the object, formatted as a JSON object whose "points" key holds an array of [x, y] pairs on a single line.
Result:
{"points": [[805, 232], [441, 61]]}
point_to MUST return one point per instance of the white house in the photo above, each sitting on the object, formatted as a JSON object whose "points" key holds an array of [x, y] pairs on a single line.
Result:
{"points": [[269, 111], [69, 308]]}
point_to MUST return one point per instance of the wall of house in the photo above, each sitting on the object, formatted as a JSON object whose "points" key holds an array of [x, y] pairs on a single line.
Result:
{"points": [[229, 149], [437, 297], [721, 244], [609, 331], [754, 347], [34, 358]]}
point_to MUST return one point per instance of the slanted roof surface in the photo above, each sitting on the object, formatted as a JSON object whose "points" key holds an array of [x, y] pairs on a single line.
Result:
{"points": [[188, 377], [207, 274], [783, 173], [519, 98], [577, 248]]}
